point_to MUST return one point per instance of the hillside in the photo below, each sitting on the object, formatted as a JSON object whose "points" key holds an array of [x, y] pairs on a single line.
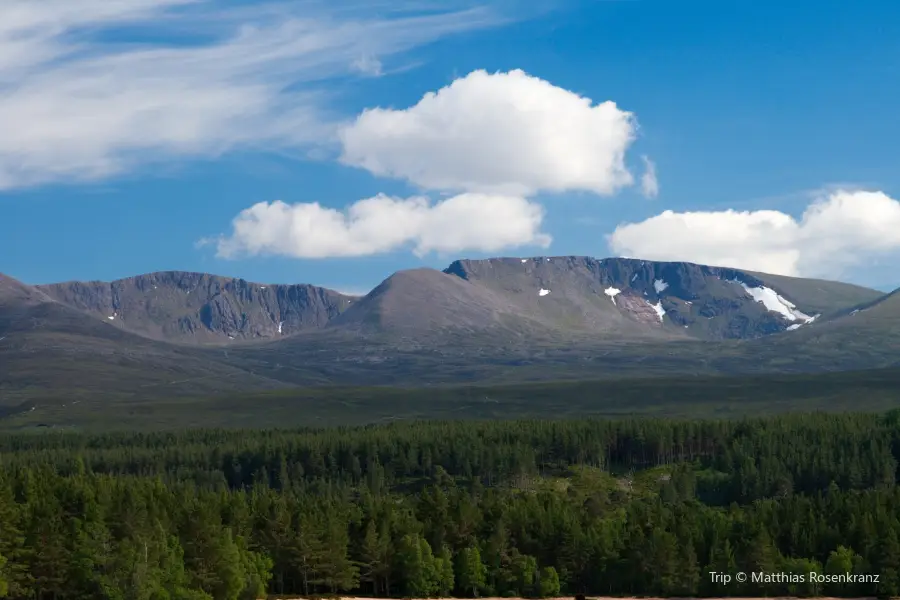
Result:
{"points": [[50, 351], [15, 296], [202, 308], [424, 301], [819, 295], [863, 335]]}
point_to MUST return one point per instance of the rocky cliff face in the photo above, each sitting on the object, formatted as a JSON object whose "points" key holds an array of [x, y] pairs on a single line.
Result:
{"points": [[677, 299], [201, 308]]}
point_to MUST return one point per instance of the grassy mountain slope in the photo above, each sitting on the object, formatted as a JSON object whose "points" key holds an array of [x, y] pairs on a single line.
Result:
{"points": [[867, 335], [423, 302], [819, 296]]}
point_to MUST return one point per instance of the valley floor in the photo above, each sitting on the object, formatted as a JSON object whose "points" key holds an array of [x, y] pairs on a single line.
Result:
{"points": [[683, 397]]}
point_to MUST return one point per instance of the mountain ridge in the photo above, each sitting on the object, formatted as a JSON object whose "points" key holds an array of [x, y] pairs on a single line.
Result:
{"points": [[709, 302], [491, 320], [159, 306], [48, 350], [544, 295]]}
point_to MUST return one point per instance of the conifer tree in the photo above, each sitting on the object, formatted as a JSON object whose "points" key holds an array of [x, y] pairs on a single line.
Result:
{"points": [[471, 573]]}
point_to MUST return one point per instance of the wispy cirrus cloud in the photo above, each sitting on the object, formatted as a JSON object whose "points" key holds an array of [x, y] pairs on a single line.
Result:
{"points": [[195, 78]]}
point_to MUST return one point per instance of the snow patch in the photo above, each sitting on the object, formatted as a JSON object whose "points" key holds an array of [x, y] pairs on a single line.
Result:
{"points": [[230, 337], [659, 285], [660, 311], [688, 302], [543, 292], [262, 287], [280, 323], [797, 325], [112, 318], [775, 303], [853, 312], [524, 260], [633, 277], [612, 293]]}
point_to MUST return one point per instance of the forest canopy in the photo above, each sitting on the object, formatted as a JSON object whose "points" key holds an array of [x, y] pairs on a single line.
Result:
{"points": [[464, 509]]}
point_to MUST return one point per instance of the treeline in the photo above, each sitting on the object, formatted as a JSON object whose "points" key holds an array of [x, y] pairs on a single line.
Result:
{"points": [[530, 508]]}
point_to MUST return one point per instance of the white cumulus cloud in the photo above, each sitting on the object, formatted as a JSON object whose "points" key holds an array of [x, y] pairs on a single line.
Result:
{"points": [[469, 221], [835, 233], [505, 133], [206, 77]]}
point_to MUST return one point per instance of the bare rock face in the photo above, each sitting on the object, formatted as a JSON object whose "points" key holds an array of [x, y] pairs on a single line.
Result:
{"points": [[201, 308]]}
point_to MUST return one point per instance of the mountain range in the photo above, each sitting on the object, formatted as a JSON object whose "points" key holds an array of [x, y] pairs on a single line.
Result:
{"points": [[175, 334]]}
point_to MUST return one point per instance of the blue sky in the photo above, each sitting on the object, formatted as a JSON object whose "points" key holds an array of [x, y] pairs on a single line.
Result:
{"points": [[135, 136]]}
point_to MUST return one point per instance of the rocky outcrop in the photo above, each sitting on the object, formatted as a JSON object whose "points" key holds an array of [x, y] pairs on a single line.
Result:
{"points": [[683, 299], [201, 308]]}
